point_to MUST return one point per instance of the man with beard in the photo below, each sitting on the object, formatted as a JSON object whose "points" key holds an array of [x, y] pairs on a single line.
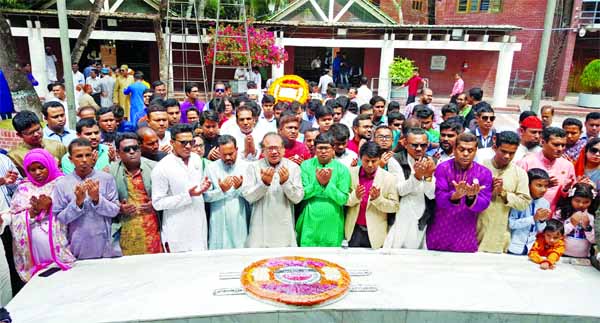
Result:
{"points": [[344, 155], [510, 191], [178, 182], [362, 126], [372, 197], [449, 130], [383, 137], [228, 226], [54, 114], [158, 120], [289, 126], [425, 99], [416, 187], [86, 201], [463, 189], [465, 110], [88, 129], [272, 183], [245, 133], [108, 125], [140, 228], [149, 145], [530, 132], [561, 171], [326, 185]]}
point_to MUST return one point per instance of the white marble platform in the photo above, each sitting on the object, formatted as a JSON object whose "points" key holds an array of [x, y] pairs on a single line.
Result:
{"points": [[414, 286]]}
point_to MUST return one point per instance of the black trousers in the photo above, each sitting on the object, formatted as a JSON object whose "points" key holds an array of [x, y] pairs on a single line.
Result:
{"points": [[410, 99], [360, 237], [453, 99]]}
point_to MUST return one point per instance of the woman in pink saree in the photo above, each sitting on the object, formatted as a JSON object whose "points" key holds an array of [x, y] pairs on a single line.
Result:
{"points": [[39, 239]]}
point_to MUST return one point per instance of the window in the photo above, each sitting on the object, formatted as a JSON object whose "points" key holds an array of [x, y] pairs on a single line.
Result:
{"points": [[417, 5], [473, 6]]}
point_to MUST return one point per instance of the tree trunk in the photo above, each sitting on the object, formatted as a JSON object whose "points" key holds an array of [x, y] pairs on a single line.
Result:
{"points": [[163, 61], [23, 94], [201, 7], [86, 31]]}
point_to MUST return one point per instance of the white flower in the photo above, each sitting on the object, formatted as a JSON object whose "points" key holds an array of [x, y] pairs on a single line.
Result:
{"points": [[261, 274], [331, 273]]}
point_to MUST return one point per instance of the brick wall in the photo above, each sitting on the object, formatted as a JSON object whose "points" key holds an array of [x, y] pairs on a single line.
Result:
{"points": [[409, 15], [8, 139], [528, 14], [481, 73]]}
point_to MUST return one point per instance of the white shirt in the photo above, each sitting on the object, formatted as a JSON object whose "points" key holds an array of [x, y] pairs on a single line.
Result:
{"points": [[266, 125], [184, 225], [95, 83], [347, 120], [240, 138], [484, 154], [522, 152], [51, 67], [347, 157], [405, 232], [78, 79], [363, 95], [64, 104], [323, 81], [107, 87], [165, 141], [270, 229]]}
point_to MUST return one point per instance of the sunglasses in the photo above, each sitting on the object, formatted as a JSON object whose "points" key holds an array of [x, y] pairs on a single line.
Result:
{"points": [[130, 149], [398, 125], [220, 90], [185, 142], [423, 146], [594, 150], [488, 118]]}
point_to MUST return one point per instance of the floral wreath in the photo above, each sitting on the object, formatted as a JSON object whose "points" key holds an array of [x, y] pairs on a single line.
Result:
{"points": [[289, 88]]}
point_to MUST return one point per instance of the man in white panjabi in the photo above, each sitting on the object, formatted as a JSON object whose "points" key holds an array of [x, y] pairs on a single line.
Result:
{"points": [[272, 183], [408, 230], [178, 182], [228, 223]]}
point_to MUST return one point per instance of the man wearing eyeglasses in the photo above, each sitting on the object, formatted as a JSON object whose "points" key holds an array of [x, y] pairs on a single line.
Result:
{"points": [[384, 137], [484, 131], [272, 183], [228, 223], [140, 227], [416, 187], [28, 128], [178, 182]]}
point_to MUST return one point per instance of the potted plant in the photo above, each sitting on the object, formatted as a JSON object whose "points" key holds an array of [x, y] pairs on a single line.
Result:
{"points": [[399, 72], [590, 80]]}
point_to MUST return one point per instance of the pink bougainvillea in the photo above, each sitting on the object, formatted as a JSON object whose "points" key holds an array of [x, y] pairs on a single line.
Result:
{"points": [[231, 47]]}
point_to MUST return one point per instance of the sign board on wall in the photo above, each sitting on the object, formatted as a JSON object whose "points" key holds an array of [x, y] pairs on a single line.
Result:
{"points": [[438, 63]]}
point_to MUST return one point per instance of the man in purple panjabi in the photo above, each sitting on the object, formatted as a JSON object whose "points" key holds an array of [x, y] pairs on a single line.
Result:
{"points": [[463, 189]]}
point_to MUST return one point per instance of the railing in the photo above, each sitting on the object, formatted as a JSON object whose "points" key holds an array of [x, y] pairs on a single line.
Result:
{"points": [[590, 12]]}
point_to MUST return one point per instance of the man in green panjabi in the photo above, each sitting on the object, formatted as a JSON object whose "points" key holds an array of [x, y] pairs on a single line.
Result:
{"points": [[326, 187]]}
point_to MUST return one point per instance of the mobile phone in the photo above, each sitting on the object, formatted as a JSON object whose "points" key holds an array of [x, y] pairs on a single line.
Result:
{"points": [[49, 272]]}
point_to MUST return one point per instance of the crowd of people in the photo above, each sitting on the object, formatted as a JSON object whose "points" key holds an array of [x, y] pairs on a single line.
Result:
{"points": [[251, 172]]}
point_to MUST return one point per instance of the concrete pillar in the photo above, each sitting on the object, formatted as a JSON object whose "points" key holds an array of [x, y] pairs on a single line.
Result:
{"points": [[37, 56], [505, 60], [278, 70], [387, 57]]}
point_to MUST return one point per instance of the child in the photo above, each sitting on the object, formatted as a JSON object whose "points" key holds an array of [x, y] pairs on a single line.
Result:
{"points": [[525, 225], [324, 116], [549, 245], [575, 213]]}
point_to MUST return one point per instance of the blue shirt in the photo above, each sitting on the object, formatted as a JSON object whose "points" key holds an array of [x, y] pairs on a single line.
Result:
{"points": [[65, 139], [136, 91], [523, 228]]}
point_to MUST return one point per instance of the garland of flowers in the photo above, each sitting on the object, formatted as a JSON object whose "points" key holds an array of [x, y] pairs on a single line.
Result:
{"points": [[263, 51]]}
